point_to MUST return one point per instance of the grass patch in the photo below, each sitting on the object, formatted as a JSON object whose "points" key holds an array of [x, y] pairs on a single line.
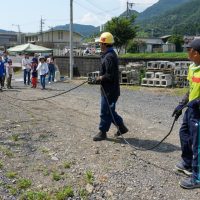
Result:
{"points": [[181, 55], [56, 176], [15, 137], [89, 177], [11, 175], [67, 165], [45, 150], [23, 184], [83, 194], [66, 192], [6, 151], [34, 195], [1, 164], [46, 172]]}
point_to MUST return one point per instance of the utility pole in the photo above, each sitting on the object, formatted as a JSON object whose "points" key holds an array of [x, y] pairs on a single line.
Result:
{"points": [[71, 39], [127, 8], [41, 28], [19, 32]]}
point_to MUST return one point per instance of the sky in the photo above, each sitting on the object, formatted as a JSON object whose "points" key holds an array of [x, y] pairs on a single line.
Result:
{"points": [[26, 15]]}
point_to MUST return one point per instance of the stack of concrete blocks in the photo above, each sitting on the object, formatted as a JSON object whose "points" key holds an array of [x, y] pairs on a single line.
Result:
{"points": [[130, 75], [157, 81], [125, 77], [166, 80], [180, 73], [158, 74], [149, 79], [92, 76]]}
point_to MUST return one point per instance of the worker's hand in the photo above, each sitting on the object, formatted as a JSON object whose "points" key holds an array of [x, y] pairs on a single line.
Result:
{"points": [[97, 79], [194, 104], [178, 110]]}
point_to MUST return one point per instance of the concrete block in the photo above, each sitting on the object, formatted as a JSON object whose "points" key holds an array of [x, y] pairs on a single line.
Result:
{"points": [[170, 65], [150, 64], [144, 82], [149, 75], [166, 77], [162, 65], [151, 82], [157, 83], [177, 71], [158, 75], [165, 83]]}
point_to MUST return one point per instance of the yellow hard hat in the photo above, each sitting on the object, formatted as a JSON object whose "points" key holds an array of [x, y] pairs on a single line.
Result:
{"points": [[106, 38]]}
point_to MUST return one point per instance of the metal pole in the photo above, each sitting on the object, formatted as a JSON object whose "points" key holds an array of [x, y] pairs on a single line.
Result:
{"points": [[71, 39]]}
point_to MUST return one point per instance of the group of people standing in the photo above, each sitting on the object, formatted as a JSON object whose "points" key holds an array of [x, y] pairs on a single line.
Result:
{"points": [[41, 66], [6, 71]]}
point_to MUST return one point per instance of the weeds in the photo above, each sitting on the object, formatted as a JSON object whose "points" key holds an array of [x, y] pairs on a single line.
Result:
{"points": [[83, 194], [56, 176], [31, 195], [66, 192], [89, 177], [11, 175], [24, 183], [1, 164], [67, 165], [15, 137], [6, 151]]}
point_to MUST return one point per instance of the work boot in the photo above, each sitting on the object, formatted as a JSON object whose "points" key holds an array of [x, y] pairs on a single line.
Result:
{"points": [[184, 169], [100, 136], [122, 130], [189, 183]]}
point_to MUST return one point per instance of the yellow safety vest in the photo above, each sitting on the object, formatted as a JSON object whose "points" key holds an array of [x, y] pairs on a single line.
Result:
{"points": [[194, 81]]}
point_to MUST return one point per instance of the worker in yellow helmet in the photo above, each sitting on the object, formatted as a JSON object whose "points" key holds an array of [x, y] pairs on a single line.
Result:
{"points": [[190, 129], [110, 89]]}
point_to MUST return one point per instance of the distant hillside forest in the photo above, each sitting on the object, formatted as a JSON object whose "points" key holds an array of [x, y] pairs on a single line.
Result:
{"points": [[183, 20]]}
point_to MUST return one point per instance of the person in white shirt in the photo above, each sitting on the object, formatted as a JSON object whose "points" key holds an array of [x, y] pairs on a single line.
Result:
{"points": [[26, 67], [43, 70]]}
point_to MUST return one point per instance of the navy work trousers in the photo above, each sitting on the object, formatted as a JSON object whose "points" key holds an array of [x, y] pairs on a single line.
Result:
{"points": [[190, 141], [106, 117]]}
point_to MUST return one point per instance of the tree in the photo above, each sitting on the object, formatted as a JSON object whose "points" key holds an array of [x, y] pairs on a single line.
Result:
{"points": [[178, 41], [122, 29], [136, 46]]}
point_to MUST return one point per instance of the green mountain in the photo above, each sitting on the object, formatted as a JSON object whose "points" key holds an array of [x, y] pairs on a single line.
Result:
{"points": [[183, 19], [85, 30], [130, 12], [159, 8]]}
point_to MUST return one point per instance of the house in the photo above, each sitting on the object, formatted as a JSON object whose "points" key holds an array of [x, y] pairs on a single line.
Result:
{"points": [[55, 39], [151, 45], [8, 39]]}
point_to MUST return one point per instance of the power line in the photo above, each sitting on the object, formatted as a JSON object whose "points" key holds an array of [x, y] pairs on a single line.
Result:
{"points": [[100, 13]]}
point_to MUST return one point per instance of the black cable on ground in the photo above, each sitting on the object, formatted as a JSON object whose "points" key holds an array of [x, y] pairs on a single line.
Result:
{"points": [[138, 149], [44, 98]]}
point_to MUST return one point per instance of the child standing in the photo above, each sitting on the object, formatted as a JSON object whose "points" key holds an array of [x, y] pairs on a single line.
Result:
{"points": [[9, 73], [34, 72], [43, 71]]}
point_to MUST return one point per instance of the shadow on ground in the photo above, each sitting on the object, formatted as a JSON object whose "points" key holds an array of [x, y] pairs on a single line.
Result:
{"points": [[164, 147]]}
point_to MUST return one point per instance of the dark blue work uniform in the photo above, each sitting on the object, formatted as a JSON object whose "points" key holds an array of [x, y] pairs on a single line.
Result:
{"points": [[109, 71]]}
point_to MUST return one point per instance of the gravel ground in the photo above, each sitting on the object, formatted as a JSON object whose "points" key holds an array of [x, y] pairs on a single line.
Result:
{"points": [[42, 139]]}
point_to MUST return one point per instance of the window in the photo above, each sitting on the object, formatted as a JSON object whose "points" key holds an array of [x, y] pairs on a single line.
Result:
{"points": [[60, 35]]}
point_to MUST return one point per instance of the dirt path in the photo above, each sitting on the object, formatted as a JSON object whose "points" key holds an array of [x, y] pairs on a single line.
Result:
{"points": [[50, 144]]}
